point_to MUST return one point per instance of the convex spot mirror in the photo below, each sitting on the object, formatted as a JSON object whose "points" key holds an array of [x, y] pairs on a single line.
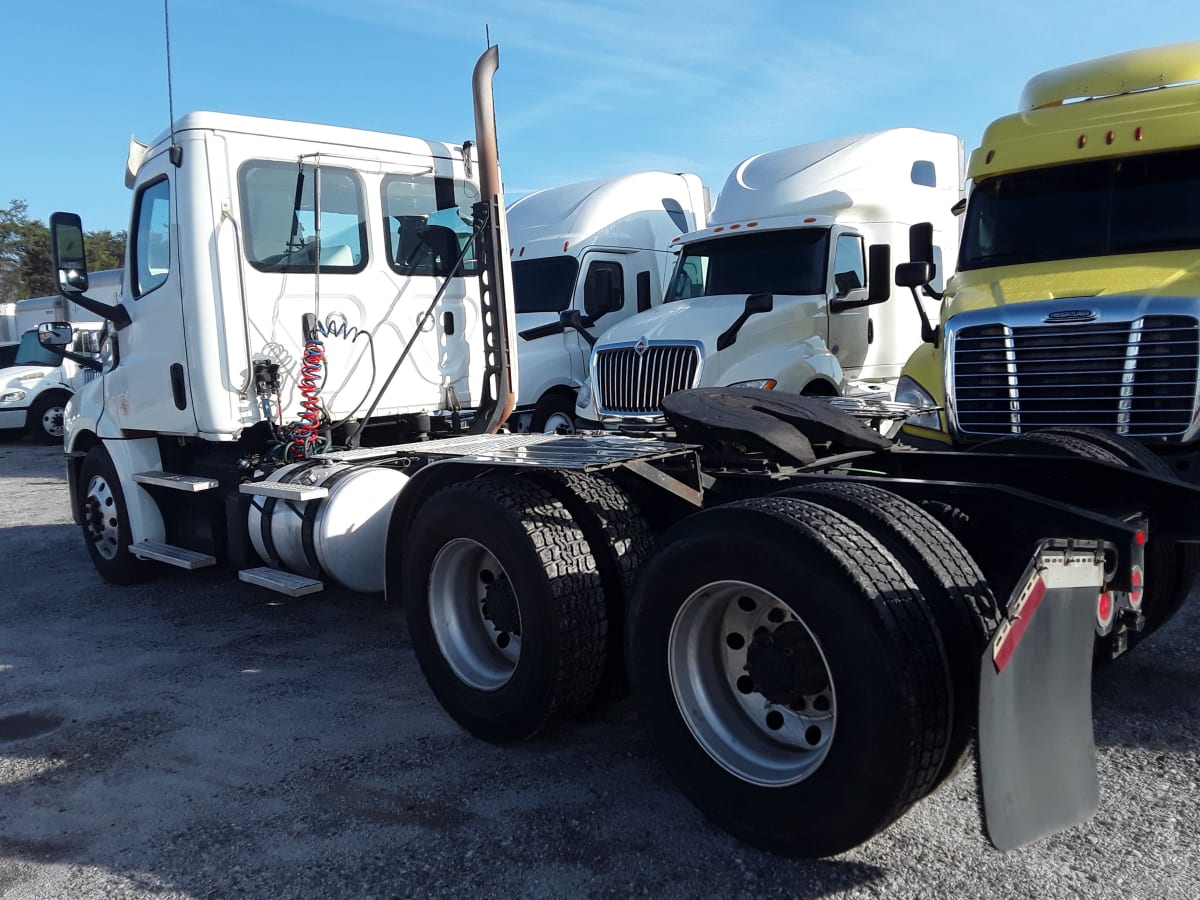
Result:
{"points": [[55, 334], [66, 247]]}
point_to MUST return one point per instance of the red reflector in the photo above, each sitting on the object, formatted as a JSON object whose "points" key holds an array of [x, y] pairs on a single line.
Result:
{"points": [[1104, 608], [1008, 645], [1139, 587]]}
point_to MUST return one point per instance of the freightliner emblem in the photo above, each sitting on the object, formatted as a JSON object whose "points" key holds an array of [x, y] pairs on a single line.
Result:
{"points": [[1071, 315], [640, 347]]}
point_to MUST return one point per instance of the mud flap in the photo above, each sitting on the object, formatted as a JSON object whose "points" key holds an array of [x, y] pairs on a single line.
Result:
{"points": [[1036, 749]]}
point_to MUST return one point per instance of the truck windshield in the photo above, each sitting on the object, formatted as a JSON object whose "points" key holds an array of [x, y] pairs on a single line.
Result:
{"points": [[31, 353], [778, 262], [544, 285], [1131, 205]]}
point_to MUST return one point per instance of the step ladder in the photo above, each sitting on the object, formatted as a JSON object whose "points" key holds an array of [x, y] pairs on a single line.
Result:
{"points": [[281, 582], [180, 557], [191, 484]]}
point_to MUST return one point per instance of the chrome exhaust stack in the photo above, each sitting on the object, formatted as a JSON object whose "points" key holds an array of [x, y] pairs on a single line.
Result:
{"points": [[499, 318]]}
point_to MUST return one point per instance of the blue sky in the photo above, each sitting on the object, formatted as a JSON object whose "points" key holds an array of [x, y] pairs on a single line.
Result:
{"points": [[585, 89]]}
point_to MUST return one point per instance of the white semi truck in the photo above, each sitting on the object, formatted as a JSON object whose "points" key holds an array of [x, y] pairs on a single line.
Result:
{"points": [[811, 650], [598, 252], [779, 291]]}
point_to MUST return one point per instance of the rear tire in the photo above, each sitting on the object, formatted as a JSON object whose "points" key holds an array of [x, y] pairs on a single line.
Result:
{"points": [[106, 530], [620, 539], [504, 607], [956, 591], [745, 618]]}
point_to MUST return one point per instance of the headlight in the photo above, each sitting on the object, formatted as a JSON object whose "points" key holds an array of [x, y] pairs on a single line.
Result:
{"points": [[765, 384], [12, 396], [908, 391]]}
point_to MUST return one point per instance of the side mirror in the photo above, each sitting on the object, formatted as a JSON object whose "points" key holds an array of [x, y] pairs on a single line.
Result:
{"points": [[920, 243], [755, 304], [914, 274], [599, 293], [759, 303], [879, 282], [55, 334], [66, 247], [70, 265]]}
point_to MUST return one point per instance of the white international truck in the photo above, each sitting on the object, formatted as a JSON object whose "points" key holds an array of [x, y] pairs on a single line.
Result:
{"points": [[811, 651], [777, 291], [599, 252]]}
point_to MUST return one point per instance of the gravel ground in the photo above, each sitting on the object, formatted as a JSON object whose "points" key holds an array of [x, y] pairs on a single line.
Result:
{"points": [[195, 737]]}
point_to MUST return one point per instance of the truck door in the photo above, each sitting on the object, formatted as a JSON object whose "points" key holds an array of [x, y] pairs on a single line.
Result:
{"points": [[148, 388], [849, 330], [600, 297]]}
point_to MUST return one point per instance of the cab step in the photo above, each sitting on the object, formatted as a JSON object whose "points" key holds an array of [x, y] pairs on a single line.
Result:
{"points": [[191, 484], [281, 582], [180, 557], [281, 490]]}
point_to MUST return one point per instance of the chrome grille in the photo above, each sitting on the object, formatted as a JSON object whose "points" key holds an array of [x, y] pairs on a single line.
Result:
{"points": [[634, 383], [1136, 378]]}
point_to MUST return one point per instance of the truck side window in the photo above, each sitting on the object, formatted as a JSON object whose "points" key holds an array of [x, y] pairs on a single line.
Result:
{"points": [[280, 218], [603, 288], [152, 237], [427, 220], [849, 270]]}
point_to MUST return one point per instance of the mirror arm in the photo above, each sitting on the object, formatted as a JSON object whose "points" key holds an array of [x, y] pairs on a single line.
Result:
{"points": [[118, 315], [86, 361], [572, 319], [928, 333]]}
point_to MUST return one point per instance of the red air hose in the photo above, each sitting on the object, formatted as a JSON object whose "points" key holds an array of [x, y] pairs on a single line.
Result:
{"points": [[304, 434]]}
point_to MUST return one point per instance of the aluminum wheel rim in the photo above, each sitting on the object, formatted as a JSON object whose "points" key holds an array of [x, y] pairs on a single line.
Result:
{"points": [[482, 654], [556, 421], [100, 517], [763, 742], [52, 421]]}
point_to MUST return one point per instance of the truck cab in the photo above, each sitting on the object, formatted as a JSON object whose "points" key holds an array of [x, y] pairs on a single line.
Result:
{"points": [[779, 290], [1075, 303], [598, 250]]}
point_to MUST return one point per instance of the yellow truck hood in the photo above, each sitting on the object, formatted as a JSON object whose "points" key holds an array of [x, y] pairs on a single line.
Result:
{"points": [[1174, 274]]}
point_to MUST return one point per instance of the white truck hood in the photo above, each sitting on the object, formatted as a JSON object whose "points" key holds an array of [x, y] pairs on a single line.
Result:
{"points": [[699, 319], [23, 376]]}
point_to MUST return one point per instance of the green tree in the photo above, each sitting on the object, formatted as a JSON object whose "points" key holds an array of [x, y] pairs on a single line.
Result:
{"points": [[25, 261]]}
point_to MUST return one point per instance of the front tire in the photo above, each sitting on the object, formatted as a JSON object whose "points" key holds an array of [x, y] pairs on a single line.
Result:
{"points": [[554, 414], [504, 606], [106, 529], [45, 424], [789, 674]]}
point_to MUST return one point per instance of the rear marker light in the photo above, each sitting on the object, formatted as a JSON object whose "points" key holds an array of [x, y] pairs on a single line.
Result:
{"points": [[1104, 610], [1138, 583], [991, 154], [751, 224], [1140, 538]]}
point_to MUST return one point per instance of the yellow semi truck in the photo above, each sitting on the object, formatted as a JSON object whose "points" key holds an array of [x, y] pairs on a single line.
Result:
{"points": [[1074, 314]]}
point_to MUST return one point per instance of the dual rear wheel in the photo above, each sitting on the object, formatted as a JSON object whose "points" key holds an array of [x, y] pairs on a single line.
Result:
{"points": [[802, 664]]}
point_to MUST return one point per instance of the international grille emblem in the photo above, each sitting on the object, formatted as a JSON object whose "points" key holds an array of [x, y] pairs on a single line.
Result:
{"points": [[640, 347]]}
